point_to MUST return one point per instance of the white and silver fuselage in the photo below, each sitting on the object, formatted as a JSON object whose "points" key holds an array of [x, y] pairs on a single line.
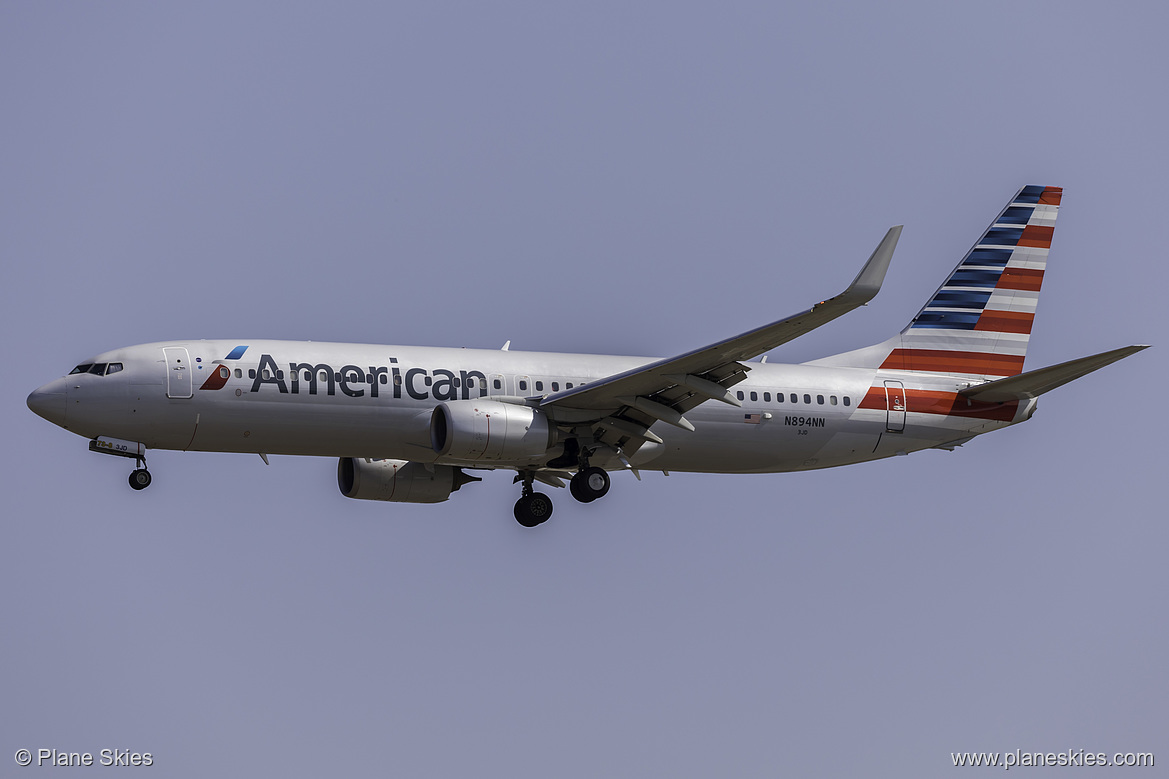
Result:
{"points": [[368, 401]]}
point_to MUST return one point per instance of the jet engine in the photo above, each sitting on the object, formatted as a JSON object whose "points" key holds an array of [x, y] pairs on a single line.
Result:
{"points": [[400, 481], [489, 430]]}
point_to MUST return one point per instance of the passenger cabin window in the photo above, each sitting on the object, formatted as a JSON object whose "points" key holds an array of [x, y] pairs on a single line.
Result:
{"points": [[847, 402], [794, 398], [224, 373], [555, 386], [523, 386], [568, 385], [766, 397], [539, 386], [239, 374], [820, 399], [82, 368], [497, 384], [754, 395], [251, 373], [832, 399], [114, 368], [739, 394], [779, 397]]}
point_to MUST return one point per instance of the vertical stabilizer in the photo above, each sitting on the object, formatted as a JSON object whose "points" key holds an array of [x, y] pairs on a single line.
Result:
{"points": [[979, 321]]}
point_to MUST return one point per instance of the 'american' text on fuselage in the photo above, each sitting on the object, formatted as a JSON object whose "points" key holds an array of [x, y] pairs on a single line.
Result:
{"points": [[441, 384]]}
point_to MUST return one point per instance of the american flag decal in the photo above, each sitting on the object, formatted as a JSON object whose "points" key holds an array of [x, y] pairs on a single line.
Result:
{"points": [[751, 419]]}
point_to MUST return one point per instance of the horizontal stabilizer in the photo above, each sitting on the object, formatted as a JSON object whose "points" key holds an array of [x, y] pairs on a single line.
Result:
{"points": [[1032, 384]]}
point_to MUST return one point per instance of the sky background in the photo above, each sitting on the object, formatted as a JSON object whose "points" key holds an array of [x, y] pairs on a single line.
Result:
{"points": [[609, 178]]}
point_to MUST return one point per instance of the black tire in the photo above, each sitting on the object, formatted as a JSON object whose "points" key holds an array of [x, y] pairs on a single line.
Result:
{"points": [[532, 510], [521, 514], [589, 485], [140, 479], [579, 490]]}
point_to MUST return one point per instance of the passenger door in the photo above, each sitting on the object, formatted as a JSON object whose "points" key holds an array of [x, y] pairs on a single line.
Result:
{"points": [[178, 372], [895, 400]]}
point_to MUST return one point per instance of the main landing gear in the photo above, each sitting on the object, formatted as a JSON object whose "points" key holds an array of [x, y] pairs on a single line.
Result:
{"points": [[589, 484], [533, 508]]}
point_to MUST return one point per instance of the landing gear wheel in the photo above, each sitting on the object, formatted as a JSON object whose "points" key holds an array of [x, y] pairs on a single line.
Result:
{"points": [[140, 479], [533, 509], [589, 484]]}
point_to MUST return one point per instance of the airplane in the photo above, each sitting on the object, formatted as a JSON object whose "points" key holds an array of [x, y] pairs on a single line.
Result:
{"points": [[411, 424]]}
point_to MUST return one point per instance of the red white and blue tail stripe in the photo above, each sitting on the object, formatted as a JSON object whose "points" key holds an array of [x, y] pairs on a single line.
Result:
{"points": [[979, 321]]}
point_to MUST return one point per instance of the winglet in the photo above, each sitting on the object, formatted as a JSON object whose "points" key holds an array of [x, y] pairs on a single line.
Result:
{"points": [[867, 283], [645, 381]]}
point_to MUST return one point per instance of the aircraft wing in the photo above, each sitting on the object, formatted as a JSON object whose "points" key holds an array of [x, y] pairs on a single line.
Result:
{"points": [[666, 389]]}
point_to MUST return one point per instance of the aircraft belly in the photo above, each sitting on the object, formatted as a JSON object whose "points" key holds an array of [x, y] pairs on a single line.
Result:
{"points": [[737, 447], [320, 429], [781, 443]]}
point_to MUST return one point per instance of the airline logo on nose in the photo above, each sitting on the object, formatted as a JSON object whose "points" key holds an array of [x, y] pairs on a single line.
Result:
{"points": [[352, 381], [220, 375]]}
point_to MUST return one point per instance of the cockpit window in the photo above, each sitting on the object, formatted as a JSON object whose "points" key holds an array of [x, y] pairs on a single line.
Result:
{"points": [[97, 368]]}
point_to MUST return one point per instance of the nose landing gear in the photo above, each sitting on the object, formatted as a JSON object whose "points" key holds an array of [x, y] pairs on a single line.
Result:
{"points": [[140, 478]]}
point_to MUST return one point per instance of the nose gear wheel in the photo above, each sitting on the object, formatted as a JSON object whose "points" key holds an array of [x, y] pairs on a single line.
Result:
{"points": [[140, 479]]}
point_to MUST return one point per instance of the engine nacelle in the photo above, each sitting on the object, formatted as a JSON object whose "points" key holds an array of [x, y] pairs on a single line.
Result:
{"points": [[400, 481], [482, 429]]}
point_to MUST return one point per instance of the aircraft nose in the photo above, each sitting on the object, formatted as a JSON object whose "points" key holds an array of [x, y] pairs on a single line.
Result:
{"points": [[48, 402]]}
